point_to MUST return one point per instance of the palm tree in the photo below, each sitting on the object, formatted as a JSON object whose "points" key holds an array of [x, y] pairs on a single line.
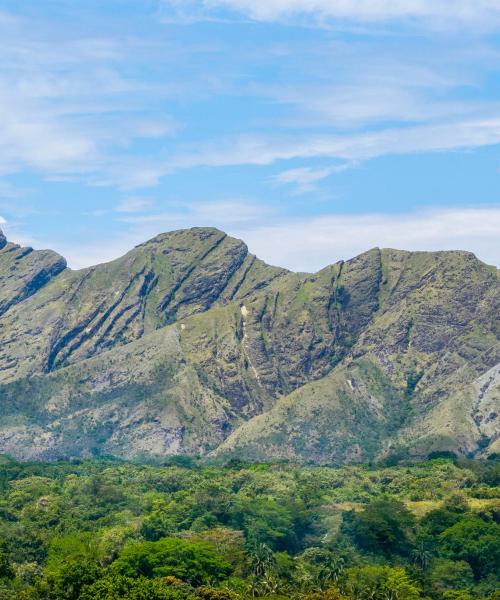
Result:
{"points": [[421, 556], [263, 568]]}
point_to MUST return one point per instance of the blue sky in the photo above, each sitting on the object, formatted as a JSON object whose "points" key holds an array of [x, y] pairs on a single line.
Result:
{"points": [[312, 129]]}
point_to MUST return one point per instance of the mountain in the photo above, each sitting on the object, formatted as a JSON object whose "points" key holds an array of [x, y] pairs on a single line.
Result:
{"points": [[189, 344]]}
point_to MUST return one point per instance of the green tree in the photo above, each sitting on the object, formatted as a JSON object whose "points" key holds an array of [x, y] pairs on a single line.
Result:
{"points": [[196, 563], [68, 580], [422, 555], [330, 594], [114, 587], [384, 527], [163, 520], [318, 569], [228, 543], [75, 547], [6, 570], [448, 575], [456, 503], [458, 595], [263, 567], [436, 521], [268, 521], [381, 583], [475, 541]]}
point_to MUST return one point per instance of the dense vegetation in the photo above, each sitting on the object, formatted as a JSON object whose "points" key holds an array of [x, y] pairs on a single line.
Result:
{"points": [[105, 530]]}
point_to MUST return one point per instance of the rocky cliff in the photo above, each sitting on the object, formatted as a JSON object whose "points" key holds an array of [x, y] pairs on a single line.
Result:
{"points": [[190, 344]]}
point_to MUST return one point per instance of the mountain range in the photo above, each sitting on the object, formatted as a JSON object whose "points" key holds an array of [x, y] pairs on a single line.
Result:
{"points": [[189, 344]]}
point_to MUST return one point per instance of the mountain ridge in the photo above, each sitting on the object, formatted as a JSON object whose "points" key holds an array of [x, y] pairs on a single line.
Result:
{"points": [[191, 344]]}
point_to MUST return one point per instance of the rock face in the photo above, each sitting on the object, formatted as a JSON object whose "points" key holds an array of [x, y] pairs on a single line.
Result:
{"points": [[83, 313], [24, 272], [189, 344]]}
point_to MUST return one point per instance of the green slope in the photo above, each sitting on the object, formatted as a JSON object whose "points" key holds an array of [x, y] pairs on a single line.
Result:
{"points": [[81, 313], [189, 344]]}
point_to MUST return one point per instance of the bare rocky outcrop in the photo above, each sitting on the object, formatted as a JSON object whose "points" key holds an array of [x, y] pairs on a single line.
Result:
{"points": [[24, 272]]}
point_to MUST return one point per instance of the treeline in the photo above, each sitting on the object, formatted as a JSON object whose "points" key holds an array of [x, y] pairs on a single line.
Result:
{"points": [[106, 530]]}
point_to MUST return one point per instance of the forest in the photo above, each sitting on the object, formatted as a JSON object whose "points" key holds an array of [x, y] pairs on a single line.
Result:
{"points": [[110, 530]]}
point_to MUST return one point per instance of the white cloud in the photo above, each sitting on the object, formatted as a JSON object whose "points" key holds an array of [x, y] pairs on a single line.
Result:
{"points": [[223, 213], [8, 190], [266, 150], [364, 102], [135, 204], [228, 215], [306, 178], [15, 233], [29, 138], [471, 11], [308, 244], [227, 212], [71, 110]]}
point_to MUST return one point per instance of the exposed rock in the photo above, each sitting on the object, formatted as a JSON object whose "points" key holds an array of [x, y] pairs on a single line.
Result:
{"points": [[189, 344], [24, 272]]}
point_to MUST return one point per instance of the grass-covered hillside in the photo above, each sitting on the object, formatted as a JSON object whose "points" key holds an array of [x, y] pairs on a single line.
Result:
{"points": [[191, 345], [106, 530]]}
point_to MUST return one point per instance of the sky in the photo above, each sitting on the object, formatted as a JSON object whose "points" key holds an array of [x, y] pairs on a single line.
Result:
{"points": [[311, 129]]}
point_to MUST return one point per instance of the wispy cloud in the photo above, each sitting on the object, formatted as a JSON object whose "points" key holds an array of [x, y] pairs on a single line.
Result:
{"points": [[138, 104], [8, 190], [135, 204], [308, 244], [219, 213], [481, 12], [305, 179], [266, 150], [228, 214], [86, 109], [71, 109]]}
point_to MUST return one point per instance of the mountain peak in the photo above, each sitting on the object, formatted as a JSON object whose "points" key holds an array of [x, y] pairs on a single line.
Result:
{"points": [[3, 240], [190, 344], [186, 237]]}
